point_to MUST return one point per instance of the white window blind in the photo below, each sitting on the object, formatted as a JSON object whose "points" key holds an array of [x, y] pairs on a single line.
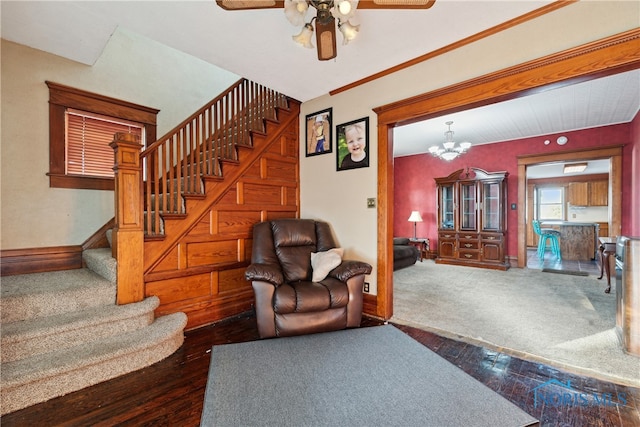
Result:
{"points": [[88, 136]]}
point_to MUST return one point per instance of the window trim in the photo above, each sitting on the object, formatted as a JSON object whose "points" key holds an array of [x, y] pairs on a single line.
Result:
{"points": [[62, 97]]}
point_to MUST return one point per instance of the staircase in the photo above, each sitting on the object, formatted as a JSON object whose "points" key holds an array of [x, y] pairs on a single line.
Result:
{"points": [[62, 331], [204, 184], [66, 330]]}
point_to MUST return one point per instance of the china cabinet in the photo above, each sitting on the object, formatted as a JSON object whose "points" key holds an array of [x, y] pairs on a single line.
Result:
{"points": [[472, 218]]}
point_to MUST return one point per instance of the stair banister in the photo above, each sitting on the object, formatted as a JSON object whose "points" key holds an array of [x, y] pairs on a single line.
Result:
{"points": [[153, 183]]}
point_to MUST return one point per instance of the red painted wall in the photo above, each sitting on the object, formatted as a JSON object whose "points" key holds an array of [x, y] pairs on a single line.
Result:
{"points": [[415, 187]]}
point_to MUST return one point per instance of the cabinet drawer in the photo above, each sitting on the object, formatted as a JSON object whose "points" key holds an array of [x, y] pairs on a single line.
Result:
{"points": [[491, 237], [468, 244], [469, 255], [446, 236], [468, 236]]}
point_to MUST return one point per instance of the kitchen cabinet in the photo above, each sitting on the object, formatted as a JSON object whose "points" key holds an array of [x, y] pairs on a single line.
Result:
{"points": [[592, 193], [472, 219], [598, 193]]}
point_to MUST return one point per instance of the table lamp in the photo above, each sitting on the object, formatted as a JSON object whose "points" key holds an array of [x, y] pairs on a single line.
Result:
{"points": [[415, 218]]}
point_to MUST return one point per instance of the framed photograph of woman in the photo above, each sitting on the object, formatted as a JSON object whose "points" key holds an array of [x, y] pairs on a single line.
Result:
{"points": [[318, 133], [353, 144]]}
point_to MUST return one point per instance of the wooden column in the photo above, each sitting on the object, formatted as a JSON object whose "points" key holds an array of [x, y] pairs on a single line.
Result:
{"points": [[128, 234]]}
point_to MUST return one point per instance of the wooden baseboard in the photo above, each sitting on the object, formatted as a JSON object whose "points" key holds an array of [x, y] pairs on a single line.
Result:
{"points": [[370, 304], [38, 260]]}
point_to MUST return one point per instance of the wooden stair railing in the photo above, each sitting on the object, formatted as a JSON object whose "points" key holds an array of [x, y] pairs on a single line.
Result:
{"points": [[152, 184], [175, 164]]}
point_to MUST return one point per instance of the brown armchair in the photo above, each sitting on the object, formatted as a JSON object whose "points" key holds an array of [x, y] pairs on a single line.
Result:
{"points": [[288, 302]]}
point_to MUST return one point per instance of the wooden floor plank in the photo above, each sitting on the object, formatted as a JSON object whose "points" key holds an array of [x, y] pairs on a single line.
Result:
{"points": [[171, 392]]}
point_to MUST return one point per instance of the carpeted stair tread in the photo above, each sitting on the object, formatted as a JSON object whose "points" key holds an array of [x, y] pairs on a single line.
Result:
{"points": [[29, 337], [102, 262], [45, 376], [33, 295], [56, 362]]}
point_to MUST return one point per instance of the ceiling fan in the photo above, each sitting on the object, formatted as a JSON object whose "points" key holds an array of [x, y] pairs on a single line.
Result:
{"points": [[327, 12]]}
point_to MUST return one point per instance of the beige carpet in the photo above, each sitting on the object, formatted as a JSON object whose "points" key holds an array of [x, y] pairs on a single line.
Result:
{"points": [[562, 320]]}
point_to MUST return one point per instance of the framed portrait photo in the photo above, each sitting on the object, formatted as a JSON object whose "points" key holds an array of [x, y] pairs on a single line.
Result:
{"points": [[318, 133], [353, 144]]}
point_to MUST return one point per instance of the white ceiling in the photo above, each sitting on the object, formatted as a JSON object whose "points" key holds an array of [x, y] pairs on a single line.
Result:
{"points": [[257, 44], [605, 101]]}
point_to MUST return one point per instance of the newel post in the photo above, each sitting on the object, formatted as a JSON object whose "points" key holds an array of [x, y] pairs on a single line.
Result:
{"points": [[128, 234]]}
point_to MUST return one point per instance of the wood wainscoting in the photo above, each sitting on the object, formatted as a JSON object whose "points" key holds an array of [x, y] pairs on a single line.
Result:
{"points": [[39, 260]]}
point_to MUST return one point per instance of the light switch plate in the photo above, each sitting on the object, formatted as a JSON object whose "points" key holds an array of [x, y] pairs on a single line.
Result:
{"points": [[371, 202]]}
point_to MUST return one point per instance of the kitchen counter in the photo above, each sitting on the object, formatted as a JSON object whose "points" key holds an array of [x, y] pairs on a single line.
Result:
{"points": [[578, 240]]}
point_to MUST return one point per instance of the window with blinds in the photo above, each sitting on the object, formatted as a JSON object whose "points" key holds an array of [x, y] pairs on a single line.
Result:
{"points": [[88, 136]]}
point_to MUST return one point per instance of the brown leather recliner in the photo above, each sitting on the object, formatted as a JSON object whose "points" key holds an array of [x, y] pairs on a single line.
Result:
{"points": [[288, 302]]}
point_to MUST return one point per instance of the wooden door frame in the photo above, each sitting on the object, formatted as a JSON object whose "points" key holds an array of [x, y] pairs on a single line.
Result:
{"points": [[612, 152], [608, 56]]}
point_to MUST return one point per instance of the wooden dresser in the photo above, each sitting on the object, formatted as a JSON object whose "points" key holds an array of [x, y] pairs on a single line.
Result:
{"points": [[472, 219]]}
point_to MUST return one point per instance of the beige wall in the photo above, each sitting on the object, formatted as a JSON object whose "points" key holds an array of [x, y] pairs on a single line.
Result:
{"points": [[340, 197], [131, 68]]}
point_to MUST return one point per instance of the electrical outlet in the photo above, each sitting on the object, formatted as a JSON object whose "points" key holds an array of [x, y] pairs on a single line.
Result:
{"points": [[366, 287], [371, 202]]}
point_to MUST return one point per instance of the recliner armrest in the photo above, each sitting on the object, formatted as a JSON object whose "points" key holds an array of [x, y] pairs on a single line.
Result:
{"points": [[265, 272], [349, 269]]}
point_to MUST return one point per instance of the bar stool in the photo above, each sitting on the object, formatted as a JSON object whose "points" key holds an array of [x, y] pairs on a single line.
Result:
{"points": [[544, 234]]}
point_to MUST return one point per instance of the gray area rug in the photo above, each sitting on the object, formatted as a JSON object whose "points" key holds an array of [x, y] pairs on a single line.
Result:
{"points": [[563, 320], [376, 376]]}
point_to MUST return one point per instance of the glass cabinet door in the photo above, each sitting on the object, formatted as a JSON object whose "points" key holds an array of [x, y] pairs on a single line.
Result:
{"points": [[491, 206], [468, 206], [447, 207]]}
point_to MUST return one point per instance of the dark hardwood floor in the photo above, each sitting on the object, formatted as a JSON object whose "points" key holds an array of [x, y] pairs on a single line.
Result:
{"points": [[171, 392]]}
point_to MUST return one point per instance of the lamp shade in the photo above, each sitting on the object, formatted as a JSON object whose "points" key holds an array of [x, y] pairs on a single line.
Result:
{"points": [[415, 217]]}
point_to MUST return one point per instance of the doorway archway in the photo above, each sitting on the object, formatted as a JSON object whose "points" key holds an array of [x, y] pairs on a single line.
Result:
{"points": [[565, 68]]}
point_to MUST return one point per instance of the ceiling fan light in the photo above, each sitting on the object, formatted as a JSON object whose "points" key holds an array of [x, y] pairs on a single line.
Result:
{"points": [[304, 38], [344, 9], [349, 32], [295, 11], [302, 6]]}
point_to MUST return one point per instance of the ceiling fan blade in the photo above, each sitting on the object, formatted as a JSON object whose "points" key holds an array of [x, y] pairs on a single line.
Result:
{"points": [[249, 4], [395, 4], [362, 4], [326, 38]]}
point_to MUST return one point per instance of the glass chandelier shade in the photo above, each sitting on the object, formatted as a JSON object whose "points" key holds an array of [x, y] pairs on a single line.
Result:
{"points": [[449, 149]]}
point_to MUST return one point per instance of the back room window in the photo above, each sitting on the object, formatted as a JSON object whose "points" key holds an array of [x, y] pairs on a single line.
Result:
{"points": [[551, 203]]}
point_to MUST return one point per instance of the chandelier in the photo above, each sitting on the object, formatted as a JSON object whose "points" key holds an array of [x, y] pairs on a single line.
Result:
{"points": [[449, 149], [325, 23]]}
